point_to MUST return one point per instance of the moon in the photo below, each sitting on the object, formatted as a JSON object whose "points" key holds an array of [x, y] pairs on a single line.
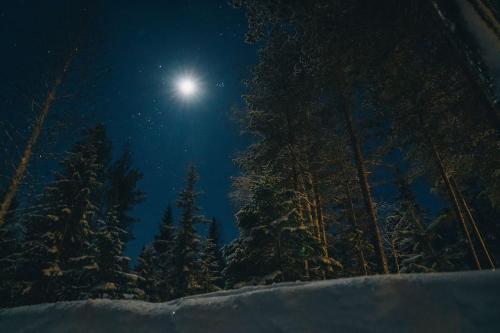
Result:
{"points": [[187, 86]]}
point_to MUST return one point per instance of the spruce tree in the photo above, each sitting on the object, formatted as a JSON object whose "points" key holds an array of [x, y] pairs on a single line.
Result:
{"points": [[59, 242], [412, 239], [211, 261], [113, 278], [145, 270], [123, 193], [163, 246], [187, 240], [9, 258], [274, 244], [214, 233]]}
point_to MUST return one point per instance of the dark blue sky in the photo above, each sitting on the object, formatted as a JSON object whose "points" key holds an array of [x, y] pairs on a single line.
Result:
{"points": [[132, 53], [148, 45], [140, 47]]}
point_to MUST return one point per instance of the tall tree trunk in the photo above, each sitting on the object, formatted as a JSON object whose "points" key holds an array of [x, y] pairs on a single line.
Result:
{"points": [[473, 222], [300, 211], [318, 215], [35, 134], [363, 181], [352, 217], [454, 201], [321, 224], [307, 203], [309, 212], [450, 190]]}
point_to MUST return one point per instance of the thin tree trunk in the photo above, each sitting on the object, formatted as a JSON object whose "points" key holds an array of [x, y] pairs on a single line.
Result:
{"points": [[307, 204], [451, 191], [35, 134], [352, 217], [318, 216], [363, 180], [279, 257], [306, 269], [321, 225], [454, 200], [395, 255], [473, 222], [301, 214], [297, 178]]}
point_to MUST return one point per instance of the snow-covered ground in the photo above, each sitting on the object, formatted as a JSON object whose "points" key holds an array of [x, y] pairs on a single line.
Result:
{"points": [[452, 302]]}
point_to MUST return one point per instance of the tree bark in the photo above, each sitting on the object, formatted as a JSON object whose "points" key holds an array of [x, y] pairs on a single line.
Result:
{"points": [[300, 212], [363, 181], [322, 223], [318, 215], [352, 217], [454, 201], [35, 134], [473, 222]]}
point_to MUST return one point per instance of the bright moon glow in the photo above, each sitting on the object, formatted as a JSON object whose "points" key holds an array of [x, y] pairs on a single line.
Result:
{"points": [[187, 86]]}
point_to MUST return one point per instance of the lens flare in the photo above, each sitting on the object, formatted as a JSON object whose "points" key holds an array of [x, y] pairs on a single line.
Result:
{"points": [[187, 86]]}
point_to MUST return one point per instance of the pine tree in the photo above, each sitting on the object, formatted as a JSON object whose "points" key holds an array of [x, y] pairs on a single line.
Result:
{"points": [[9, 258], [187, 240], [59, 243], [427, 107], [211, 261], [163, 246], [214, 233], [123, 194], [411, 238], [352, 248], [113, 278], [274, 244], [145, 270]]}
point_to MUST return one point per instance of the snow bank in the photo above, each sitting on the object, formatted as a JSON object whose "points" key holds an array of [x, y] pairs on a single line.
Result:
{"points": [[452, 302], [485, 35]]}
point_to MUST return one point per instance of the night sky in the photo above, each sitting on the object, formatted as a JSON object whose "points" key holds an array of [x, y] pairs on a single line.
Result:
{"points": [[133, 54], [151, 45], [142, 48]]}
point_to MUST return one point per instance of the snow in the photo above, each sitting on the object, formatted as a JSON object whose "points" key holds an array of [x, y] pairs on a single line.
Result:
{"points": [[485, 35], [446, 302]]}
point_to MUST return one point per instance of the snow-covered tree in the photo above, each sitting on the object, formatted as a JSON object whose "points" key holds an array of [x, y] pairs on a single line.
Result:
{"points": [[113, 278], [145, 270], [163, 245], [211, 261], [9, 257], [59, 243], [416, 244], [123, 194], [274, 243], [187, 240]]}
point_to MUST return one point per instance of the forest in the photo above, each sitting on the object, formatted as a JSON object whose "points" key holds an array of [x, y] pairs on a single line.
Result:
{"points": [[375, 150]]}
